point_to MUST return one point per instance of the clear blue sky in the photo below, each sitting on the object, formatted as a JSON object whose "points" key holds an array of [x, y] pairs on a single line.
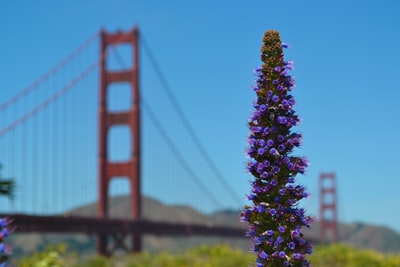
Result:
{"points": [[346, 56]]}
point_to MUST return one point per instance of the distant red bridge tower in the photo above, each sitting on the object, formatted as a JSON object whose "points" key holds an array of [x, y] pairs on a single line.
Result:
{"points": [[131, 167], [328, 208]]}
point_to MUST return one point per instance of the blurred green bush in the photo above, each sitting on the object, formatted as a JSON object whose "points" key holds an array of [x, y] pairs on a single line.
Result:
{"points": [[337, 255]]}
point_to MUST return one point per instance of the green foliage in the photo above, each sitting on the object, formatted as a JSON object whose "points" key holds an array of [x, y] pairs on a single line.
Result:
{"points": [[203, 256], [338, 255], [219, 255], [50, 257], [97, 261], [7, 186]]}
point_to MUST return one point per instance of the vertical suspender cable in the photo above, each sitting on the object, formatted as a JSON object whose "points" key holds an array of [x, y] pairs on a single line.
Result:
{"points": [[72, 176], [39, 160], [34, 165], [53, 148], [84, 133], [49, 74], [23, 198], [57, 185], [13, 157], [63, 134], [43, 158], [33, 138]]}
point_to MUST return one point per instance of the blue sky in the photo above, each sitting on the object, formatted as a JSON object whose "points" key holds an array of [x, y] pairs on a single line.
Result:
{"points": [[346, 57]]}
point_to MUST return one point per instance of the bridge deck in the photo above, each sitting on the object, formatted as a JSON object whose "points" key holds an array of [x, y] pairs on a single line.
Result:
{"points": [[69, 224]]}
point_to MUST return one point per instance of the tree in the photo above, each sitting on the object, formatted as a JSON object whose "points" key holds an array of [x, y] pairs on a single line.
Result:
{"points": [[7, 186]]}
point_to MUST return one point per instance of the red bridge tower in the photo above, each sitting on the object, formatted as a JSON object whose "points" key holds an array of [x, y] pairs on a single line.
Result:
{"points": [[328, 208], [130, 168]]}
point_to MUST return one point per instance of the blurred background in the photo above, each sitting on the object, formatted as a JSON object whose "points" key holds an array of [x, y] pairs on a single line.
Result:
{"points": [[200, 55]]}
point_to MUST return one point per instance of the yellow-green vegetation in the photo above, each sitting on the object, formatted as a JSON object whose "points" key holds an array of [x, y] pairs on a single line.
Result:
{"points": [[338, 255], [52, 256], [202, 256]]}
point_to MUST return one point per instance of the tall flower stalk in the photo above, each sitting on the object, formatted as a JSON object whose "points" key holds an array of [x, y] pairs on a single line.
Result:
{"points": [[5, 250], [275, 219]]}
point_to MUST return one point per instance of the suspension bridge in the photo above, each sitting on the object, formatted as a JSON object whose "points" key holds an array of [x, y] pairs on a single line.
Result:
{"points": [[78, 128], [85, 130]]}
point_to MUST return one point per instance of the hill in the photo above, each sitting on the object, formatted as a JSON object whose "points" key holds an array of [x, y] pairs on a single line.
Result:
{"points": [[359, 235]]}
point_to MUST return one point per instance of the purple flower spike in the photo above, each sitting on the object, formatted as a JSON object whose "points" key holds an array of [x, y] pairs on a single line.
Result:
{"points": [[274, 217], [5, 250]]}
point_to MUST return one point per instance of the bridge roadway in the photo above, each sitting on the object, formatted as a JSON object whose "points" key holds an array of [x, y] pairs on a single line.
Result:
{"points": [[71, 224]]}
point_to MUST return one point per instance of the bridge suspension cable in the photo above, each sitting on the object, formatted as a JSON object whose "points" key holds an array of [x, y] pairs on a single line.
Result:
{"points": [[49, 100], [50, 73], [45, 77], [187, 124], [170, 143], [179, 156], [32, 112], [36, 131]]}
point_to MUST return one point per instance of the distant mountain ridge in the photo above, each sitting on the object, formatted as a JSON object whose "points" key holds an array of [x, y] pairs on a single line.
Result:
{"points": [[357, 234]]}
